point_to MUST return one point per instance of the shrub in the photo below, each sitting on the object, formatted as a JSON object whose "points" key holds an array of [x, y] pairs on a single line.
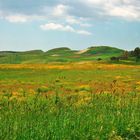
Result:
{"points": [[114, 58], [42, 89]]}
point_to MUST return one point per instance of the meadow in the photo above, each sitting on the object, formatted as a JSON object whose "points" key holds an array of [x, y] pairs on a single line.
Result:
{"points": [[69, 101]]}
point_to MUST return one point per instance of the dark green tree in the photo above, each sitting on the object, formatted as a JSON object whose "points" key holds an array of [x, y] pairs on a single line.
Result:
{"points": [[137, 53]]}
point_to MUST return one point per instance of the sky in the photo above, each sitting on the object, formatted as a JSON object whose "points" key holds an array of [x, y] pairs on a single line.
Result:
{"points": [[77, 24]]}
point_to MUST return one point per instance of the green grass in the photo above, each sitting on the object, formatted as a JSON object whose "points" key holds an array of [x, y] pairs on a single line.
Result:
{"points": [[73, 104], [62, 54], [103, 50], [104, 117]]}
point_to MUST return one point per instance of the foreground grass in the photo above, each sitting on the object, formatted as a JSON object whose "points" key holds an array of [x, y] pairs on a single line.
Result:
{"points": [[69, 102], [96, 116]]}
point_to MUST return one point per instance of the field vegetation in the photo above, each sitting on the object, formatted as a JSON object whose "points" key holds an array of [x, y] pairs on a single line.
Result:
{"points": [[69, 101], [62, 54]]}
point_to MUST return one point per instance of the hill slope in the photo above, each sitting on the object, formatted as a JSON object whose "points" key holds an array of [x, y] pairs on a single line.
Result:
{"points": [[102, 50], [62, 54]]}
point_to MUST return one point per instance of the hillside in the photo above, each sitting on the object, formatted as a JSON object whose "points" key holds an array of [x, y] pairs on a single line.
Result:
{"points": [[62, 54], [103, 52], [98, 50], [63, 51]]}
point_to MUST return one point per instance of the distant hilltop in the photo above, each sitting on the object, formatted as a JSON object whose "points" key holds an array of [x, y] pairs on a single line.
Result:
{"points": [[62, 54]]}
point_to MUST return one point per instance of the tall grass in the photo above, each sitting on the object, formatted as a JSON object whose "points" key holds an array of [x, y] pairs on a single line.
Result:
{"points": [[69, 102], [71, 117]]}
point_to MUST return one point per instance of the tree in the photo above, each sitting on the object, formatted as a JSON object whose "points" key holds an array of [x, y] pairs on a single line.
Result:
{"points": [[125, 55], [137, 53], [114, 58], [99, 59], [131, 54]]}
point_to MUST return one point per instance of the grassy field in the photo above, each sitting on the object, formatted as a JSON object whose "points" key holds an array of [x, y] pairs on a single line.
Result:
{"points": [[62, 54], [69, 101]]}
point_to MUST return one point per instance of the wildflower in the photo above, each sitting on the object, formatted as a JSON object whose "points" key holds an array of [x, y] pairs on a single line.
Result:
{"points": [[118, 77], [138, 83]]}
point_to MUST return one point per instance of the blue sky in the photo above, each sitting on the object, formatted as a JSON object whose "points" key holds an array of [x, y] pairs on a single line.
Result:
{"points": [[78, 24]]}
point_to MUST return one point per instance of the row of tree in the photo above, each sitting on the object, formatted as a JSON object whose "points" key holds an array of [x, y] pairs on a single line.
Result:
{"points": [[135, 53], [128, 54]]}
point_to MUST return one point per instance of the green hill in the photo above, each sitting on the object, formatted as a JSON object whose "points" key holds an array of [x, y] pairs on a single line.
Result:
{"points": [[62, 54], [32, 52], [63, 51], [103, 50]]}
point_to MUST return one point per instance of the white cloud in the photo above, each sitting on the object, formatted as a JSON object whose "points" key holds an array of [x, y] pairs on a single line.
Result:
{"points": [[78, 21], [94, 1], [17, 18], [60, 10], [125, 9], [72, 20], [71, 12], [126, 12], [59, 27], [83, 32], [66, 28]]}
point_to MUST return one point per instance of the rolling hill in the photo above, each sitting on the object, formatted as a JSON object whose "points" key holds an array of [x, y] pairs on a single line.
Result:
{"points": [[62, 54], [98, 50]]}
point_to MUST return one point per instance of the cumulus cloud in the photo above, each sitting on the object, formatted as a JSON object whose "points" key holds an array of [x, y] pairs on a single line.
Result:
{"points": [[83, 32], [125, 12], [93, 9], [59, 27], [72, 20], [80, 13], [16, 18], [19, 18], [66, 28], [125, 9], [60, 10], [79, 21]]}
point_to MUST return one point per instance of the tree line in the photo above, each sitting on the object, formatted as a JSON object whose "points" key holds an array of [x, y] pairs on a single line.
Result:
{"points": [[128, 54]]}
